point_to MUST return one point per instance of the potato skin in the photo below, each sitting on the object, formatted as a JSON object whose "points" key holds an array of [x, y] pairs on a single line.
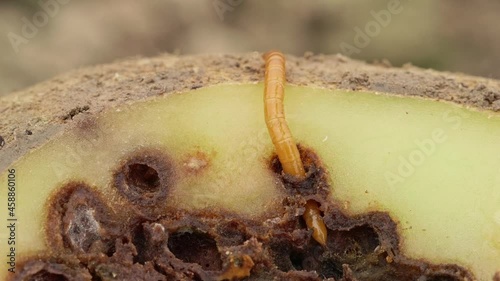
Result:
{"points": [[33, 116]]}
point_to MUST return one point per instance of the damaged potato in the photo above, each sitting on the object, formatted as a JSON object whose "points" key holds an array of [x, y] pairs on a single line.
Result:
{"points": [[163, 169]]}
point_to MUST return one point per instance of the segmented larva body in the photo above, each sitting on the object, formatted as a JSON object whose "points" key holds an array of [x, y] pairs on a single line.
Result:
{"points": [[288, 153], [314, 221], [274, 112]]}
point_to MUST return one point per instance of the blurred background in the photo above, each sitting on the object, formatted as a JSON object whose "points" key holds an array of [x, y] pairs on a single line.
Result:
{"points": [[45, 37]]}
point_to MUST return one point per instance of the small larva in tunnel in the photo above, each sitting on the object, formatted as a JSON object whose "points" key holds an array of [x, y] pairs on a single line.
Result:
{"points": [[286, 149], [383, 178]]}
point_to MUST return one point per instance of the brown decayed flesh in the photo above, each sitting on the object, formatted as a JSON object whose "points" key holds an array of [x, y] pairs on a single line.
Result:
{"points": [[87, 237]]}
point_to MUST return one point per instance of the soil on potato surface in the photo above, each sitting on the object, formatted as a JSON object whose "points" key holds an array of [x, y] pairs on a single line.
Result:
{"points": [[34, 115], [206, 246]]}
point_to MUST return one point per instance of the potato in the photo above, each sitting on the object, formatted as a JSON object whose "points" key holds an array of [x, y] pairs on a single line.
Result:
{"points": [[162, 168]]}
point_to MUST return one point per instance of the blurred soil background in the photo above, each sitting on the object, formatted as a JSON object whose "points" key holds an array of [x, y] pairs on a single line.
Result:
{"points": [[449, 35]]}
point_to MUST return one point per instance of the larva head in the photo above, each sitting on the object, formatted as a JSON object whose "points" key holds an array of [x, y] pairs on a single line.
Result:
{"points": [[186, 185]]}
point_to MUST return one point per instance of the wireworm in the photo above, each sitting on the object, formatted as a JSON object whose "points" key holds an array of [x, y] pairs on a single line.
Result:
{"points": [[288, 153]]}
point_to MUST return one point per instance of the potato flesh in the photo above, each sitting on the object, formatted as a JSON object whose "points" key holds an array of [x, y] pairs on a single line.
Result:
{"points": [[432, 166]]}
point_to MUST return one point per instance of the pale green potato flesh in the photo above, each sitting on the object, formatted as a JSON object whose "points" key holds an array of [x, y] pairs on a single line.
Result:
{"points": [[433, 166]]}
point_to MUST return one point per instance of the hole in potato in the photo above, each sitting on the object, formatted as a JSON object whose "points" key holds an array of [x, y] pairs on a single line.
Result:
{"points": [[196, 247], [145, 178], [80, 221]]}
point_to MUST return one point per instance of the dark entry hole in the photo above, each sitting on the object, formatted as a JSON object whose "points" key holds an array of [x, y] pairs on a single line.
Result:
{"points": [[275, 165], [312, 260], [308, 157], [146, 177], [197, 248], [296, 259], [143, 177], [315, 173], [47, 276], [300, 261], [355, 243], [140, 242]]}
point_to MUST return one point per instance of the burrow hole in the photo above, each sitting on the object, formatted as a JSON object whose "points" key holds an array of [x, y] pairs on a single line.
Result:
{"points": [[359, 241], [348, 247], [311, 260], [143, 177], [196, 247], [146, 177]]}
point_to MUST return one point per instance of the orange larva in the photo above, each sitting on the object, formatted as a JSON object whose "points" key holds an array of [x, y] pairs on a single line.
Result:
{"points": [[288, 153], [314, 221], [274, 113]]}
